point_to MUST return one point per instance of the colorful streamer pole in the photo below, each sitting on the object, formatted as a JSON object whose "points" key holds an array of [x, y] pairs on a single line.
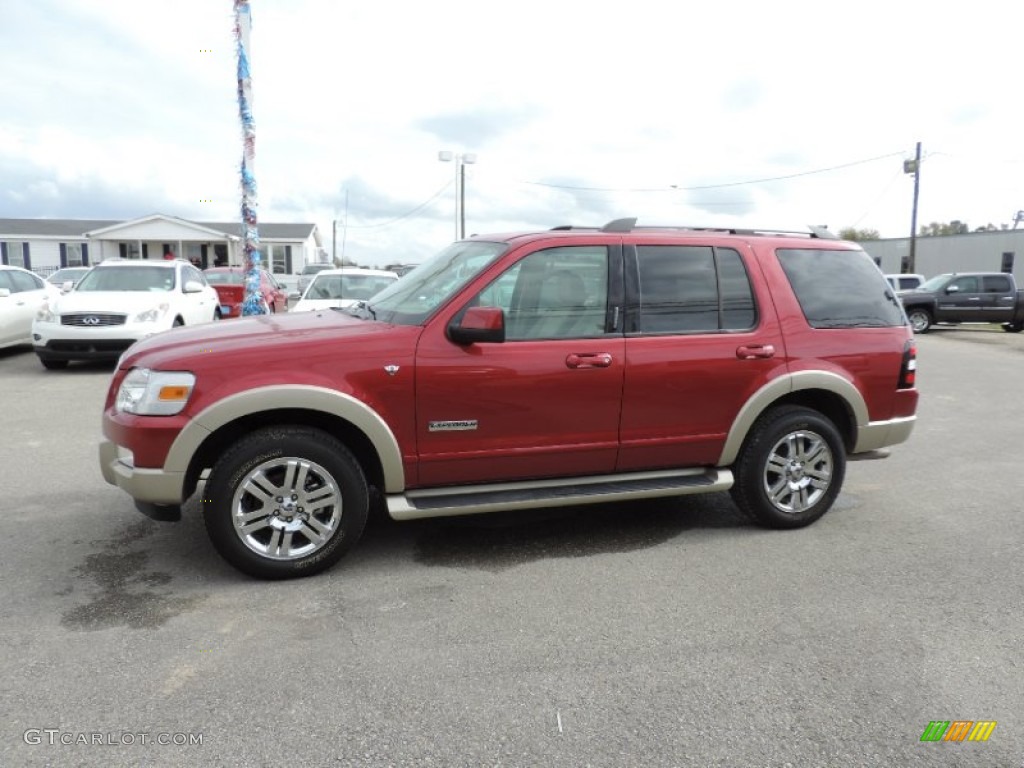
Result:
{"points": [[253, 303]]}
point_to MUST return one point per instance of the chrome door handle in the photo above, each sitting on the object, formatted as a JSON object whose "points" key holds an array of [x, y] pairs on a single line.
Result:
{"points": [[598, 360], [754, 351]]}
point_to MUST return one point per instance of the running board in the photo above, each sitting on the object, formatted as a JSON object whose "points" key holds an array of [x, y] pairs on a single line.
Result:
{"points": [[498, 497]]}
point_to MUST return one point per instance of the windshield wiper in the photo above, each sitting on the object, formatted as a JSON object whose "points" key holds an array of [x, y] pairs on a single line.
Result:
{"points": [[360, 309]]}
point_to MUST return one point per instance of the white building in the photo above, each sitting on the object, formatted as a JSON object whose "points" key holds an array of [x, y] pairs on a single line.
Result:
{"points": [[997, 251], [45, 245]]}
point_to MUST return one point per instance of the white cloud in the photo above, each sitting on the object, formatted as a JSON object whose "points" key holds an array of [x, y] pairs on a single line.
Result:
{"points": [[121, 103]]}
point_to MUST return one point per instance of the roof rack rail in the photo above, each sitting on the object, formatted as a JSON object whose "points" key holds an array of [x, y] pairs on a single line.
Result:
{"points": [[629, 225], [620, 225]]}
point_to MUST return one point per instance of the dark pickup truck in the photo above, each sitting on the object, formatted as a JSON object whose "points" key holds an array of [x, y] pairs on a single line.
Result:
{"points": [[966, 297]]}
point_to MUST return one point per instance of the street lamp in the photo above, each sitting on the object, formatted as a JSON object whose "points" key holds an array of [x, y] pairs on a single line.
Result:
{"points": [[461, 161]]}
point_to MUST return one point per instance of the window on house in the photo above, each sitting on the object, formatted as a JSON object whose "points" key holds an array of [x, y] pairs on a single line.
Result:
{"points": [[128, 250], [74, 254], [280, 259], [14, 252]]}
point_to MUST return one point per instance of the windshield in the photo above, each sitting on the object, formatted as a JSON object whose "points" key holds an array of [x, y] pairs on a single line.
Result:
{"points": [[414, 298], [934, 284], [359, 287], [312, 269], [225, 278], [69, 273], [128, 279]]}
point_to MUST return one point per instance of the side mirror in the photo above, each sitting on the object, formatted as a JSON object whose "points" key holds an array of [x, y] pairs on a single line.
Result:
{"points": [[66, 286], [193, 286], [953, 289], [479, 324], [4, 293]]}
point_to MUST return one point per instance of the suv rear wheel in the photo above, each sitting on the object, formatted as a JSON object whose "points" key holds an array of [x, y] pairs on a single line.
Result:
{"points": [[790, 469], [284, 502]]}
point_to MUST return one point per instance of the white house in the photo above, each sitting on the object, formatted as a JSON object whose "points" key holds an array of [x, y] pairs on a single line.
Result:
{"points": [[45, 245]]}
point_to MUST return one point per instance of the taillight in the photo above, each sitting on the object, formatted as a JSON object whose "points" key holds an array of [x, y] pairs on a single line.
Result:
{"points": [[908, 370]]}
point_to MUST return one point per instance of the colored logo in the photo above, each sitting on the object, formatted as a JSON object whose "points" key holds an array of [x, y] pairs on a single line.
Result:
{"points": [[958, 730]]}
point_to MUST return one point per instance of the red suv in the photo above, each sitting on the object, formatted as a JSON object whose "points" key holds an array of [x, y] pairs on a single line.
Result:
{"points": [[513, 371]]}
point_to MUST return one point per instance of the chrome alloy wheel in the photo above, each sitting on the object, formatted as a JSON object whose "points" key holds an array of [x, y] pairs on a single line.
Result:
{"points": [[286, 508], [798, 471], [919, 320]]}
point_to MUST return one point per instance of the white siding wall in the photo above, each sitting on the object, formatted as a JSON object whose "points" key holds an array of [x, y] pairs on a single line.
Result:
{"points": [[975, 252], [45, 254]]}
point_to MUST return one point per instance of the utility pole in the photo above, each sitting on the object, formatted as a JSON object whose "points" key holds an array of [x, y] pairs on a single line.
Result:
{"points": [[462, 200], [914, 167], [344, 230]]}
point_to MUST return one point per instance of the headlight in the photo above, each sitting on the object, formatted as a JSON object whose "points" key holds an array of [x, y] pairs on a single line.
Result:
{"points": [[154, 393], [152, 315], [45, 314]]}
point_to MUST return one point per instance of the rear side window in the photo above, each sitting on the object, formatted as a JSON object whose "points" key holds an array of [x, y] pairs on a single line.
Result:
{"points": [[686, 288], [840, 289], [997, 284]]}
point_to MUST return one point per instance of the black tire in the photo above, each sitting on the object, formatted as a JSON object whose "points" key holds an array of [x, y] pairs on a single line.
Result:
{"points": [[178, 322], [53, 365], [318, 514], [216, 315], [790, 469], [1013, 327], [920, 319]]}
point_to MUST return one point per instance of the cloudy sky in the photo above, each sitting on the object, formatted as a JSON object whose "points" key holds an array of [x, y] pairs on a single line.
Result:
{"points": [[720, 113]]}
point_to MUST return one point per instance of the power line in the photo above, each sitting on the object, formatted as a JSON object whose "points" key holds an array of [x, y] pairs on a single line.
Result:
{"points": [[882, 194], [715, 186], [417, 209]]}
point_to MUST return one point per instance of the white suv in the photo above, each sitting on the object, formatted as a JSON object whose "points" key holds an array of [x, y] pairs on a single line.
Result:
{"points": [[118, 303]]}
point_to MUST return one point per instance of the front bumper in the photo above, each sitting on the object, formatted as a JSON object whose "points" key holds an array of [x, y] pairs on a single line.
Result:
{"points": [[157, 492], [53, 341]]}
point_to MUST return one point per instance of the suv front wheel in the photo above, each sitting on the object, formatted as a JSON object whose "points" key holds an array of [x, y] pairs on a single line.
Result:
{"points": [[920, 319], [285, 501], [790, 469]]}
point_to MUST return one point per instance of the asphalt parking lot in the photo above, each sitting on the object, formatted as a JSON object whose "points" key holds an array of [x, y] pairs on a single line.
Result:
{"points": [[669, 633]]}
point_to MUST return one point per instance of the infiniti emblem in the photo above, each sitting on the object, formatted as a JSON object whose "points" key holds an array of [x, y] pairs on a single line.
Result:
{"points": [[90, 320]]}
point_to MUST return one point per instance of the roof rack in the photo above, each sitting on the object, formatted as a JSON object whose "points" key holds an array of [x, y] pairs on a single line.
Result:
{"points": [[629, 225]]}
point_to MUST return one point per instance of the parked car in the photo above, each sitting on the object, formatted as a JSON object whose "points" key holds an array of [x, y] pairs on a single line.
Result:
{"points": [[343, 287], [307, 273], [66, 277], [22, 293], [905, 282], [118, 303], [966, 297], [568, 366], [229, 283]]}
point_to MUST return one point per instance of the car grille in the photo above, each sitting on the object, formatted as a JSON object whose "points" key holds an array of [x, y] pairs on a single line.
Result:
{"points": [[92, 319], [111, 347]]}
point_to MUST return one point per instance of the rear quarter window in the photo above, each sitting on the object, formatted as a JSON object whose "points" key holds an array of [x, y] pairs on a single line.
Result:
{"points": [[840, 289]]}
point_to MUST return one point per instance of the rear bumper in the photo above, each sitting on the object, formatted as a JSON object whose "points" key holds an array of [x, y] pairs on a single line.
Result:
{"points": [[879, 434]]}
